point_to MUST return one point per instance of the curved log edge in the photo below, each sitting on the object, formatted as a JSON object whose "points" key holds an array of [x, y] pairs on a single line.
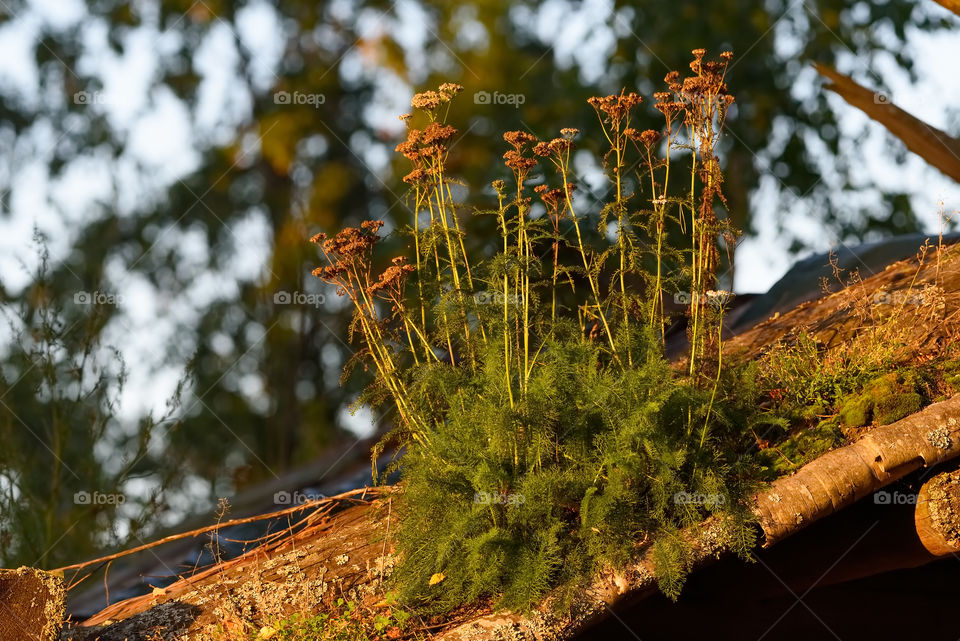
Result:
{"points": [[937, 515]]}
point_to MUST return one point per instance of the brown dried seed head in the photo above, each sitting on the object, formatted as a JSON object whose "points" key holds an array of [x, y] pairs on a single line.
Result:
{"points": [[515, 160], [449, 89], [436, 132], [695, 85], [519, 138], [408, 149], [416, 177], [428, 101], [560, 145], [649, 137]]}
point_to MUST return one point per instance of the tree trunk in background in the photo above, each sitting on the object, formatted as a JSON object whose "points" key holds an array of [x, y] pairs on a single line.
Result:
{"points": [[936, 147], [952, 5]]}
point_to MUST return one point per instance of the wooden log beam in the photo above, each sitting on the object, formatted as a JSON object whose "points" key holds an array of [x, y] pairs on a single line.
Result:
{"points": [[837, 479]]}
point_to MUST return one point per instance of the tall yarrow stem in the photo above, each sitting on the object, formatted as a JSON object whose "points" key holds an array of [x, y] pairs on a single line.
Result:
{"points": [[614, 114], [448, 307], [481, 347], [704, 101]]}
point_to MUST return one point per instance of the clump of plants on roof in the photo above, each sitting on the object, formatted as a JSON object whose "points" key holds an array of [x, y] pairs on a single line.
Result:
{"points": [[544, 432]]}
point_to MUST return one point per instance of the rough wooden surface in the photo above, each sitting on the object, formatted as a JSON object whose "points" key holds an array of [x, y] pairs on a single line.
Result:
{"points": [[937, 515], [338, 552], [923, 294], [31, 605]]}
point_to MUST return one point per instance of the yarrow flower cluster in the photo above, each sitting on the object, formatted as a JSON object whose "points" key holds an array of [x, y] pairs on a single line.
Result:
{"points": [[348, 256], [427, 148], [571, 295]]}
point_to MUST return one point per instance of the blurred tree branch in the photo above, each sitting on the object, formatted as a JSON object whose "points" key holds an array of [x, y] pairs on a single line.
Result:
{"points": [[933, 145], [952, 5]]}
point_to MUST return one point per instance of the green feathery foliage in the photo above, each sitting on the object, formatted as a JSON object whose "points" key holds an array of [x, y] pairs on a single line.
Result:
{"points": [[544, 432]]}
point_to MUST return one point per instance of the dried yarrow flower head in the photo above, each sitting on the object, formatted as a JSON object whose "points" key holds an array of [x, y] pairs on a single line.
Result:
{"points": [[519, 139], [514, 158], [615, 108], [448, 90], [553, 199], [410, 148], [437, 133], [392, 279], [648, 137], [417, 177], [429, 101], [518, 162], [673, 81], [560, 146], [697, 58], [430, 143], [709, 78], [350, 241], [426, 101], [347, 255]]}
